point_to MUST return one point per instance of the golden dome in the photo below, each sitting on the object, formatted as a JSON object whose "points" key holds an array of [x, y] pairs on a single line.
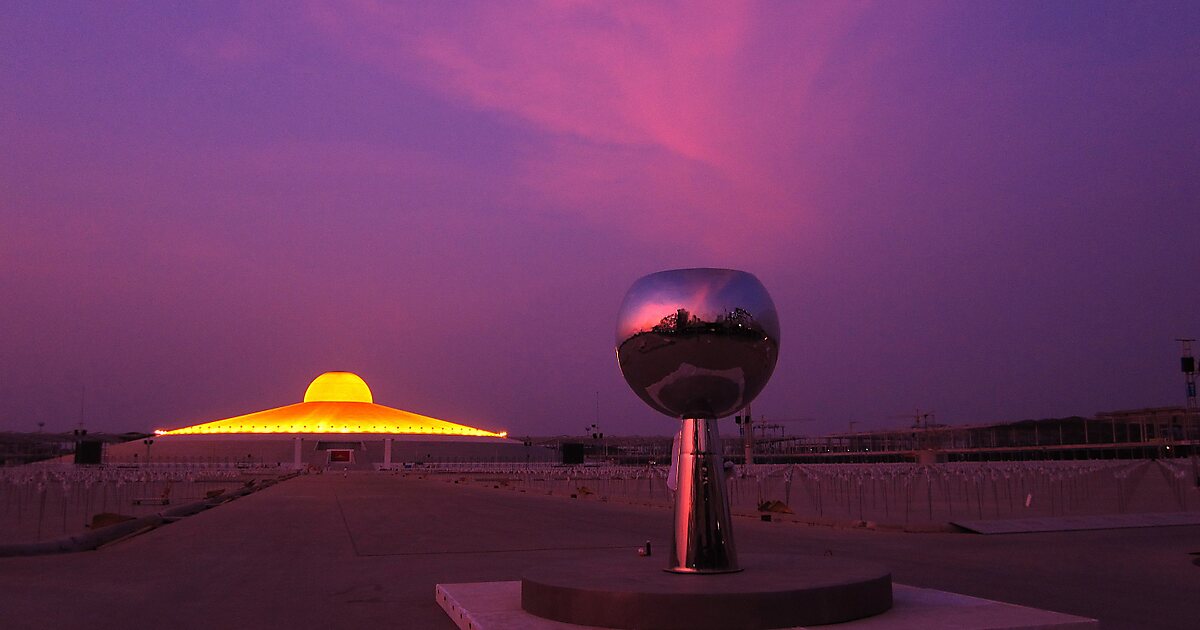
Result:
{"points": [[338, 387]]}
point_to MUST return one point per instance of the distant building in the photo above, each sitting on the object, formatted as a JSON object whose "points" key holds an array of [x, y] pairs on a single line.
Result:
{"points": [[1149, 432], [25, 448], [1168, 423]]}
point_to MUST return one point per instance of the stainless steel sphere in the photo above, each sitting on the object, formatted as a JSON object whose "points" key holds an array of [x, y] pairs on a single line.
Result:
{"points": [[697, 343]]}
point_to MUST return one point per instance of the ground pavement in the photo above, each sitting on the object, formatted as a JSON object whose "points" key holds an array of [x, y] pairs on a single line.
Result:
{"points": [[366, 549]]}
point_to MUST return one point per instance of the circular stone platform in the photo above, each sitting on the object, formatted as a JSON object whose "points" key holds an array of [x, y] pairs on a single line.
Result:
{"points": [[774, 591]]}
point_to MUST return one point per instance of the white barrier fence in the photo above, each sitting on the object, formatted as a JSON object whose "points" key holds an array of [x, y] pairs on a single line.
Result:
{"points": [[887, 493], [42, 502]]}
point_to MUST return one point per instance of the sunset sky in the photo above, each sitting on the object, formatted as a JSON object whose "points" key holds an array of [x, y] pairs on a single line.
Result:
{"points": [[988, 209]]}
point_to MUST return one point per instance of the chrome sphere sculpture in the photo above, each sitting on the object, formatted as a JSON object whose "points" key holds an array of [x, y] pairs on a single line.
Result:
{"points": [[697, 345]]}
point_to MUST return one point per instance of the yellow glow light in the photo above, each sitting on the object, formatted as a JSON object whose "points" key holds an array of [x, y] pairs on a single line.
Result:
{"points": [[338, 387]]}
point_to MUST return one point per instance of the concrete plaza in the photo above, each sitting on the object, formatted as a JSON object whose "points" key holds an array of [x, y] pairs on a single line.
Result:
{"points": [[366, 550]]}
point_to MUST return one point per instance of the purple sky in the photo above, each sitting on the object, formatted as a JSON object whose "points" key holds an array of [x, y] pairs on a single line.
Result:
{"points": [[987, 209]]}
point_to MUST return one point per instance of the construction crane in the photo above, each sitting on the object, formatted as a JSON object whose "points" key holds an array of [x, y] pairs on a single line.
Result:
{"points": [[919, 420], [746, 426], [778, 423], [922, 421]]}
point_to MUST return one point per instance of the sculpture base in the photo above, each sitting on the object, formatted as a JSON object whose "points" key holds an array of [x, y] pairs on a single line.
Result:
{"points": [[691, 571], [774, 591], [497, 606]]}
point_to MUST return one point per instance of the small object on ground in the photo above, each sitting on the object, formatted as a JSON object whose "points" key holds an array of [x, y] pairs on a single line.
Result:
{"points": [[644, 550], [163, 499], [212, 494], [779, 507]]}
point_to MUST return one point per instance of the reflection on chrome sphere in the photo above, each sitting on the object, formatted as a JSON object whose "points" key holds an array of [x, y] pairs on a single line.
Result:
{"points": [[697, 343]]}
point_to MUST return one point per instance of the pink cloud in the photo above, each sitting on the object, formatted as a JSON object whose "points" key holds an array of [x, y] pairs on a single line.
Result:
{"points": [[248, 33], [334, 158], [685, 113], [609, 73], [222, 46]]}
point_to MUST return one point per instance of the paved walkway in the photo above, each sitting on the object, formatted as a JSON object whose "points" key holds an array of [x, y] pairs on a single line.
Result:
{"points": [[366, 550]]}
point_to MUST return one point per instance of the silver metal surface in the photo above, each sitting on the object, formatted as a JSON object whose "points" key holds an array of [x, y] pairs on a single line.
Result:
{"points": [[698, 344], [702, 541]]}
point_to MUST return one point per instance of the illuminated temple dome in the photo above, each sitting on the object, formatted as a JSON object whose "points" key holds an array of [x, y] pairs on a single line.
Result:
{"points": [[337, 424], [338, 387], [334, 403]]}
